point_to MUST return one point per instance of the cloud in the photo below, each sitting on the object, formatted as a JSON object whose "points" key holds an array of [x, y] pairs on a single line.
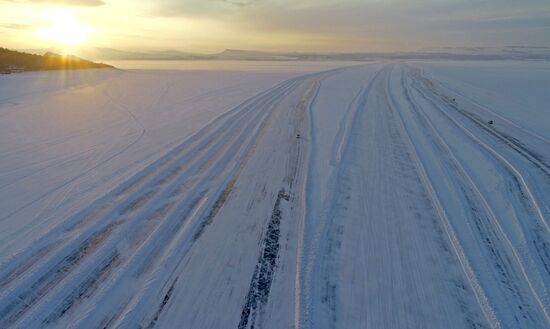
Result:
{"points": [[494, 23], [354, 25], [375, 24], [208, 8], [239, 3], [405, 24], [16, 26], [88, 3]]}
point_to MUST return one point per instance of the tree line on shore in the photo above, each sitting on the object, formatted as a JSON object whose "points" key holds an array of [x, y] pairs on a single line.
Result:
{"points": [[15, 61]]}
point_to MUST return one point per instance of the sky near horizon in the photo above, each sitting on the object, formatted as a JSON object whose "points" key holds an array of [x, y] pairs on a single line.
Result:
{"points": [[274, 25]]}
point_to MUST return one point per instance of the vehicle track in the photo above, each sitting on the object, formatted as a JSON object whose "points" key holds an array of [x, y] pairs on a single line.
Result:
{"points": [[252, 314], [154, 174], [202, 168], [539, 229], [527, 194], [137, 303], [402, 137], [123, 202], [177, 155], [486, 222], [458, 249], [536, 159], [486, 109], [323, 301], [13, 310], [174, 256], [260, 285], [311, 245]]}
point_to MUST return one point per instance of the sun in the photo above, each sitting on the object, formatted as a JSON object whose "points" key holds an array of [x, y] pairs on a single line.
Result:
{"points": [[63, 28]]}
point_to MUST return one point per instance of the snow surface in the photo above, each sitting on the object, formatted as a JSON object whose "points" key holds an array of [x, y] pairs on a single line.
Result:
{"points": [[365, 196]]}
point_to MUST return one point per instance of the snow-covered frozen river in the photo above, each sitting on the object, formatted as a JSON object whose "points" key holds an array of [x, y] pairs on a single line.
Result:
{"points": [[328, 195]]}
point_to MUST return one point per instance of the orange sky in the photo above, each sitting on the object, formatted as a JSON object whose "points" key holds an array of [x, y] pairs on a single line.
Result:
{"points": [[284, 25]]}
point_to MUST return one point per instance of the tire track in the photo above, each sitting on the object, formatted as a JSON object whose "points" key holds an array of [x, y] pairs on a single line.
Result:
{"points": [[454, 241], [30, 296], [143, 263], [313, 249], [486, 109], [158, 169], [90, 215], [526, 193], [206, 217], [492, 235], [210, 210], [262, 278], [536, 159], [8, 312], [518, 186]]}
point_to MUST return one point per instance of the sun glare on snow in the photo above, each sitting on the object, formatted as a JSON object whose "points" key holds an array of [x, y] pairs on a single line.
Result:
{"points": [[63, 28]]}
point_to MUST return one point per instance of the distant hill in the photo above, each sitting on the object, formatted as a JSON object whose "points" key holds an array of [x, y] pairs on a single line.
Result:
{"points": [[110, 54], [15, 61], [237, 54], [446, 53], [508, 52]]}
